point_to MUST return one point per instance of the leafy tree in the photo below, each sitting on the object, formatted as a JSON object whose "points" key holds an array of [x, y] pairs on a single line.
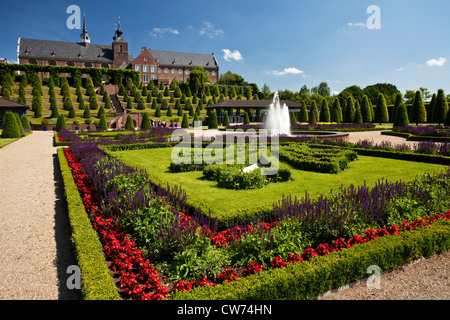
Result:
{"points": [[324, 112], [366, 111], [129, 124], [305, 90], [230, 78], [324, 89], [418, 111], [355, 91], [381, 112], [198, 78], [388, 90], [440, 108], [303, 117], [10, 126], [185, 121], [401, 116], [409, 96], [146, 124]]}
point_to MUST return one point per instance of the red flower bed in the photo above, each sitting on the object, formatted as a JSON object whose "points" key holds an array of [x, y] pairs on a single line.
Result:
{"points": [[139, 280]]}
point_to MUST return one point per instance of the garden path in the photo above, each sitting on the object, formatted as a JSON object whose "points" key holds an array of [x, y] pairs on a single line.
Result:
{"points": [[35, 247]]}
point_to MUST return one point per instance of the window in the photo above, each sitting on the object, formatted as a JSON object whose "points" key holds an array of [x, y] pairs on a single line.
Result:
{"points": [[153, 69], [52, 63], [180, 71], [153, 77], [145, 58], [105, 65], [213, 73], [173, 70], [137, 67], [70, 63], [88, 65], [187, 71], [32, 61], [145, 68], [166, 70], [159, 70], [145, 78]]}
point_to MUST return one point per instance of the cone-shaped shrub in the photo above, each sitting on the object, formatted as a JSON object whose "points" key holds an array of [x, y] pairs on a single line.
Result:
{"points": [[102, 124], [10, 126], [154, 103], [350, 111], [185, 121], [246, 118], [313, 113], [303, 117], [22, 98], [101, 112], [169, 111], [398, 100], [25, 122], [36, 106], [141, 104], [54, 110], [158, 112], [324, 112], [6, 93], [71, 112], [226, 119], [336, 113], [418, 111], [129, 125], [145, 124], [86, 113], [440, 108], [358, 116], [401, 116], [93, 102], [292, 117], [381, 112], [212, 120], [366, 113], [431, 108], [19, 124], [61, 123]]}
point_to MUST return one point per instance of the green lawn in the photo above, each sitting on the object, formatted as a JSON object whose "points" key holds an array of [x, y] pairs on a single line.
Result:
{"points": [[206, 194], [5, 141]]}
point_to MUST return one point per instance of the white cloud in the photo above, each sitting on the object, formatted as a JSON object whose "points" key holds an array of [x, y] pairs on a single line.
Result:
{"points": [[335, 93], [436, 63], [290, 70], [232, 55], [358, 24], [161, 31], [399, 69], [210, 31]]}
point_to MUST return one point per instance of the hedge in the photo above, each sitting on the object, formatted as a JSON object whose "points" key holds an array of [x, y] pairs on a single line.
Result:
{"points": [[307, 280], [411, 137], [96, 280]]}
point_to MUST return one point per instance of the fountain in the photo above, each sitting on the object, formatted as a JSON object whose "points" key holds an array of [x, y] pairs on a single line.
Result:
{"points": [[278, 121]]}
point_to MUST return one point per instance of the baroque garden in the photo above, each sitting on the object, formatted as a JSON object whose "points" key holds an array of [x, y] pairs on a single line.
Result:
{"points": [[147, 227]]}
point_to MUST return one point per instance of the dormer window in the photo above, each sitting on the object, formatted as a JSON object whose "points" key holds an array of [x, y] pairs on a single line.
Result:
{"points": [[53, 53], [27, 51]]}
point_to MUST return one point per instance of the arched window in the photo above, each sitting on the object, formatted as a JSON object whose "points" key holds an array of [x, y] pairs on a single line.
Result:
{"points": [[88, 65], [120, 48], [70, 64], [32, 61], [52, 63], [105, 65]]}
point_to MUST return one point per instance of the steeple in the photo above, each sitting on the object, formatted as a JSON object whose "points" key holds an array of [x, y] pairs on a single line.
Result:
{"points": [[118, 34], [85, 38]]}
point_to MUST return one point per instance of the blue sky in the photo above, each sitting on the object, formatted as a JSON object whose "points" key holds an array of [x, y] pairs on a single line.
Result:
{"points": [[284, 44]]}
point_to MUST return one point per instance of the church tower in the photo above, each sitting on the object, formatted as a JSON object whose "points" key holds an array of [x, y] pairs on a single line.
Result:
{"points": [[120, 48], [85, 38]]}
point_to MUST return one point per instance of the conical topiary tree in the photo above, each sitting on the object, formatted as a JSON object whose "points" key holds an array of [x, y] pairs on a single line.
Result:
{"points": [[145, 124], [61, 123], [101, 112], [22, 98], [102, 124], [431, 108], [212, 120], [129, 125], [358, 116], [366, 111], [440, 108], [25, 122], [185, 121], [72, 113], [336, 112], [10, 127], [246, 118], [169, 111], [36, 106], [313, 113], [87, 112], [324, 112], [350, 111], [381, 112], [418, 111], [158, 112], [19, 124], [398, 100], [401, 116], [226, 119]]}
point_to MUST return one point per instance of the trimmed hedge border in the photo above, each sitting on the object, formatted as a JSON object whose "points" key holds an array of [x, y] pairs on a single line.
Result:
{"points": [[96, 280], [308, 280], [411, 137]]}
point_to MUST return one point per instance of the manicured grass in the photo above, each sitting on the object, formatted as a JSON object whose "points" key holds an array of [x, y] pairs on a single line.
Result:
{"points": [[5, 141], [205, 194]]}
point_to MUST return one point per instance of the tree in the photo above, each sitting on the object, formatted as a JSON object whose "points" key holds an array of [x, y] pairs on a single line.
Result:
{"points": [[267, 94], [398, 101], [349, 116], [336, 113], [158, 112], [401, 116], [141, 104], [366, 111], [101, 112], [305, 90], [358, 116], [303, 117], [93, 101], [425, 93], [54, 109], [185, 121], [25, 122], [169, 111], [129, 124], [226, 119], [409, 96], [418, 111], [72, 113], [381, 112], [292, 117], [87, 113], [36, 106], [212, 120], [324, 89], [6, 93], [355, 91], [230, 78], [102, 124], [61, 123], [440, 108], [145, 124], [19, 124], [388, 90], [246, 118], [67, 103], [313, 113], [129, 104], [198, 78], [10, 127], [324, 112], [22, 98], [431, 108]]}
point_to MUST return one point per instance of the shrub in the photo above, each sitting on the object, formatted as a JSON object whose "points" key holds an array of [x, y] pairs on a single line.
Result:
{"points": [[10, 126], [226, 119], [86, 113], [303, 117], [158, 112], [381, 112], [169, 111], [72, 112], [129, 123], [401, 116], [418, 112], [25, 122], [36, 106], [185, 121], [246, 119], [440, 108], [313, 113], [212, 120], [61, 123], [145, 124], [102, 124], [324, 112]]}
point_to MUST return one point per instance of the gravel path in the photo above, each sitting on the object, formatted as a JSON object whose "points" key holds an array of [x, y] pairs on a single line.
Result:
{"points": [[377, 138], [35, 248]]}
